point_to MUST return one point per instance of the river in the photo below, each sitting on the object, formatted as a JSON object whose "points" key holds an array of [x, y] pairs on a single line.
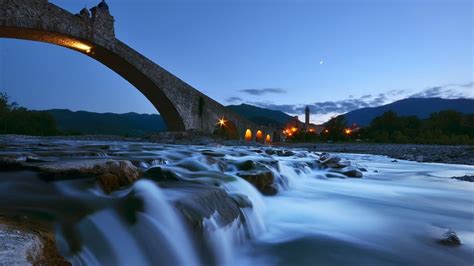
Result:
{"points": [[394, 215]]}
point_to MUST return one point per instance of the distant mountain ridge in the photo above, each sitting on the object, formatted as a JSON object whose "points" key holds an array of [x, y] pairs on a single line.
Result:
{"points": [[420, 107], [261, 116], [130, 124]]}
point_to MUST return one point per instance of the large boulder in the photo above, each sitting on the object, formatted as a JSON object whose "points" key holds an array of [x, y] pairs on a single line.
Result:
{"points": [[111, 174]]}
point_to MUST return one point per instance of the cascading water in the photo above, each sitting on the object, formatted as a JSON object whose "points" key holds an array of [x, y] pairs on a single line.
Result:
{"points": [[392, 216]]}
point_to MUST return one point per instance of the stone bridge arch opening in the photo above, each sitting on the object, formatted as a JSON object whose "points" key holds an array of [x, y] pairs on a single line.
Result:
{"points": [[113, 61], [163, 105]]}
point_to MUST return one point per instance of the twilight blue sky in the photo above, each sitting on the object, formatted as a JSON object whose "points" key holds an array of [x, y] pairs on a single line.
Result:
{"points": [[334, 56]]}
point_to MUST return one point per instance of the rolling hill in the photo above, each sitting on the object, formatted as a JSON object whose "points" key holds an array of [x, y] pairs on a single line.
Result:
{"points": [[420, 107], [130, 124], [261, 116]]}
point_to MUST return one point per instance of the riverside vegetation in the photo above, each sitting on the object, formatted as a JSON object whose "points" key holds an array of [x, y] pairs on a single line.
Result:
{"points": [[447, 127]]}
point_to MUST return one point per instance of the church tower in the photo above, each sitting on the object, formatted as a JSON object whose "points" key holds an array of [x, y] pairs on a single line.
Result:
{"points": [[306, 120]]}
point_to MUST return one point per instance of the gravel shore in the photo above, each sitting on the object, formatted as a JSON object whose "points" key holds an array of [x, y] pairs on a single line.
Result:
{"points": [[459, 154]]}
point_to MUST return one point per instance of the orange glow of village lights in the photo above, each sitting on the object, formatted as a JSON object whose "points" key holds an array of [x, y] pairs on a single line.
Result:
{"points": [[348, 131], [326, 131]]}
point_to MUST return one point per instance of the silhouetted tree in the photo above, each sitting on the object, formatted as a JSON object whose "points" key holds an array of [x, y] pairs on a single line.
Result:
{"points": [[334, 129], [19, 120]]}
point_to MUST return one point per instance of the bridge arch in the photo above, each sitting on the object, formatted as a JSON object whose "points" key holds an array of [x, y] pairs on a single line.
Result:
{"points": [[91, 32], [113, 61]]}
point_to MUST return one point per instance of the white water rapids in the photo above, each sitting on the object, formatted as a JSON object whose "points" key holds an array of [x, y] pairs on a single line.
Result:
{"points": [[394, 215]]}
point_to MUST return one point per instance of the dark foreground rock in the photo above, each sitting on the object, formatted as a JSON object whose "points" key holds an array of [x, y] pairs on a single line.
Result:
{"points": [[111, 174], [450, 238], [25, 242]]}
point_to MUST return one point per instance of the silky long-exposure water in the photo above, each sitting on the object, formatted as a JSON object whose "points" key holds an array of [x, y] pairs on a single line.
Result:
{"points": [[394, 215]]}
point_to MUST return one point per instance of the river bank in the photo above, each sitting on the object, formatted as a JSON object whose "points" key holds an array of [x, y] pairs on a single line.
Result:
{"points": [[452, 154]]}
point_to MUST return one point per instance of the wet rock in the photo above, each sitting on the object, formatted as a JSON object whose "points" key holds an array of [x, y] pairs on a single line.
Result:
{"points": [[270, 151], [192, 165], [450, 238], [221, 165], [27, 243], [30, 159], [246, 165], [339, 165], [262, 180], [353, 173], [111, 174], [242, 200], [270, 190], [468, 178], [363, 169], [284, 153], [324, 156], [335, 175], [9, 164], [197, 202], [419, 158], [394, 161], [329, 160], [212, 153], [159, 174]]}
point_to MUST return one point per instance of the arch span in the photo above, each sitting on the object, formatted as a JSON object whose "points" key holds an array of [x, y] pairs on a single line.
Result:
{"points": [[92, 33]]}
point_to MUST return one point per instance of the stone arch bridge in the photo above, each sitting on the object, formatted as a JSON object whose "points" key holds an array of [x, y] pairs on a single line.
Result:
{"points": [[91, 32]]}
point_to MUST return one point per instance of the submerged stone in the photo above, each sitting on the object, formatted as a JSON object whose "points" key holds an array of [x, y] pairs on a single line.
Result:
{"points": [[159, 174], [450, 238], [353, 173], [242, 200], [246, 165], [468, 178]]}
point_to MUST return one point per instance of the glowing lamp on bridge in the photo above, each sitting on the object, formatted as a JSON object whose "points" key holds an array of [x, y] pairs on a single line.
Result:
{"points": [[326, 131], [348, 131], [221, 122], [248, 135], [268, 139], [80, 46]]}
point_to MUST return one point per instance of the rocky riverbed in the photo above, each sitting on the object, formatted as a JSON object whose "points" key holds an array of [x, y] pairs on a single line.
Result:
{"points": [[457, 154]]}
